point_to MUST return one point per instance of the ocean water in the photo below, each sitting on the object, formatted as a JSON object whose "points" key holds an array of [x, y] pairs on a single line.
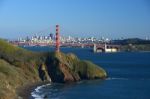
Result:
{"points": [[129, 77]]}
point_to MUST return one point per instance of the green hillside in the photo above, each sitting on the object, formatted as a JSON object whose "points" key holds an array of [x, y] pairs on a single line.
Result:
{"points": [[19, 67]]}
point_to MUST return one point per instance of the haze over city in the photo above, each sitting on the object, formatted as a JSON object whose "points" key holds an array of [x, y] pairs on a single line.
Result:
{"points": [[80, 18]]}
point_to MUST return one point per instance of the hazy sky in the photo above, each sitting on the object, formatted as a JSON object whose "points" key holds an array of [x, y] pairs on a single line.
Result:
{"points": [[108, 18]]}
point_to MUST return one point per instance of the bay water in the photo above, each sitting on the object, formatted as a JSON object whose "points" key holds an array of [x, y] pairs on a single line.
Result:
{"points": [[128, 77]]}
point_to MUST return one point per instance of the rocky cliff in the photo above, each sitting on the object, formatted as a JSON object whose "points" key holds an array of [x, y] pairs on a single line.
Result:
{"points": [[19, 67], [68, 68]]}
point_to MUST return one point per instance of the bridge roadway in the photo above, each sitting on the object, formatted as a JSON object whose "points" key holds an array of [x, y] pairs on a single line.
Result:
{"points": [[64, 44]]}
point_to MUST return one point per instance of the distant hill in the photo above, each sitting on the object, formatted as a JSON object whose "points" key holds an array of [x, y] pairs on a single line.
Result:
{"points": [[130, 41], [133, 44]]}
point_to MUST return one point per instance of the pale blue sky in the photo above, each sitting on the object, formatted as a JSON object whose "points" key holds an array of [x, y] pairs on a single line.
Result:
{"points": [[108, 18]]}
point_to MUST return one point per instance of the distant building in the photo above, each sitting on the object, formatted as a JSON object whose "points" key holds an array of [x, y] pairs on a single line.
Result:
{"points": [[106, 49], [51, 36], [110, 49]]}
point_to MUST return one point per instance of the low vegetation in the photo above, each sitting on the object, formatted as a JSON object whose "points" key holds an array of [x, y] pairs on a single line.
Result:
{"points": [[136, 47], [19, 67]]}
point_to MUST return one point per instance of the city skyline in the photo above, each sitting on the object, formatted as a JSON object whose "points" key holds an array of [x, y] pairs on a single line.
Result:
{"points": [[79, 18]]}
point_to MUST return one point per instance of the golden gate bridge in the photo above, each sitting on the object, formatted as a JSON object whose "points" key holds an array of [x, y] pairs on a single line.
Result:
{"points": [[57, 43]]}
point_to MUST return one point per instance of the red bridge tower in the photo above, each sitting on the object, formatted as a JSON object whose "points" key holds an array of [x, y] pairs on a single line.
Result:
{"points": [[57, 39]]}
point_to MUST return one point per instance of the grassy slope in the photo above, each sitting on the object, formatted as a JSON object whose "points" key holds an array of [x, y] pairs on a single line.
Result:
{"points": [[10, 78], [19, 66], [16, 68], [17, 56], [83, 67]]}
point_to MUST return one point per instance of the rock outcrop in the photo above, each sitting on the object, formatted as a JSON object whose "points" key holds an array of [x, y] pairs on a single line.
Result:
{"points": [[19, 67], [68, 68]]}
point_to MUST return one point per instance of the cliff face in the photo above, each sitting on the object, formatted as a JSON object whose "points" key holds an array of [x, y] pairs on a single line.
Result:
{"points": [[19, 67], [68, 68]]}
